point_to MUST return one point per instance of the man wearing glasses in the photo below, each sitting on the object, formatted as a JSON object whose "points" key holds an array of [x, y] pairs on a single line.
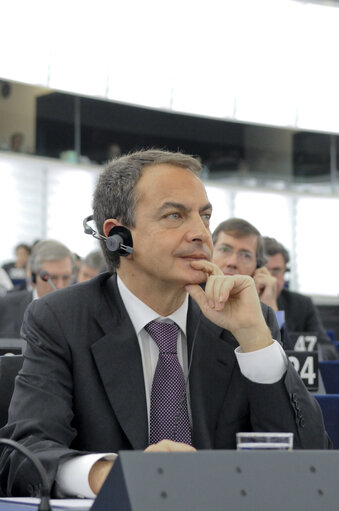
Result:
{"points": [[239, 248], [301, 315], [51, 267]]}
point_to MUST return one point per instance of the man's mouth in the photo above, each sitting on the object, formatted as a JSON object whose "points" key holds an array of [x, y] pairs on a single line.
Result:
{"points": [[230, 272], [194, 257]]}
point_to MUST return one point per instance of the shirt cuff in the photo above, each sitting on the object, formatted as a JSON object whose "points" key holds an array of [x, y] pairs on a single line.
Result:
{"points": [[267, 365], [72, 475]]}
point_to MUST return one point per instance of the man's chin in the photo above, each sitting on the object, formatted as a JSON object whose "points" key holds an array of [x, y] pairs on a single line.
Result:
{"points": [[197, 277]]}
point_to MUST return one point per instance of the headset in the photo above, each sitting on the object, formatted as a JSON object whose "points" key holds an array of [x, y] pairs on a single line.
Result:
{"points": [[45, 276], [119, 238]]}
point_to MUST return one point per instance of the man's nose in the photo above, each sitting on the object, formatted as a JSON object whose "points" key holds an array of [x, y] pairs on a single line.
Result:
{"points": [[60, 283], [198, 231], [232, 259]]}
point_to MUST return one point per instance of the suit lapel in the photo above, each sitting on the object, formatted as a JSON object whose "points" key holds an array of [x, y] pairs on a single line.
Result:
{"points": [[212, 365], [118, 360]]}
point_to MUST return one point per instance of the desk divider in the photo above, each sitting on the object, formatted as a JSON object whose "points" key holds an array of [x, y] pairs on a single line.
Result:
{"points": [[222, 481]]}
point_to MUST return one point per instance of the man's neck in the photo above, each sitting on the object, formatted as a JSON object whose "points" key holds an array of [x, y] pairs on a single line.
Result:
{"points": [[160, 297]]}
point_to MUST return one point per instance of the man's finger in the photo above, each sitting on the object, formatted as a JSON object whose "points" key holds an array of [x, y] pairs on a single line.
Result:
{"points": [[207, 267], [198, 294]]}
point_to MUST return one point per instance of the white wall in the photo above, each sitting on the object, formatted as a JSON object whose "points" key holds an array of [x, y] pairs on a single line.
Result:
{"points": [[45, 198]]}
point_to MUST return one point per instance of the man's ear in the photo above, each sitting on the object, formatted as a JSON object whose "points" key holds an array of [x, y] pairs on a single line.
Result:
{"points": [[109, 224]]}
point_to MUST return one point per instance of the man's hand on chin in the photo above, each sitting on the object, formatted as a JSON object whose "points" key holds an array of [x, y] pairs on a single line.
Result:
{"points": [[232, 302]]}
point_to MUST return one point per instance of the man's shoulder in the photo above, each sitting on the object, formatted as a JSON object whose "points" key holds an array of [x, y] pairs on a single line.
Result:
{"points": [[80, 293], [294, 297], [15, 297]]}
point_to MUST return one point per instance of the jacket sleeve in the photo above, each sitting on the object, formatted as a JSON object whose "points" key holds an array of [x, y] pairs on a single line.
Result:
{"points": [[45, 379]]}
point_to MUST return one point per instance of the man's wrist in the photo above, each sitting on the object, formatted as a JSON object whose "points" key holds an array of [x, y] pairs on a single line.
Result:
{"points": [[254, 338], [98, 474]]}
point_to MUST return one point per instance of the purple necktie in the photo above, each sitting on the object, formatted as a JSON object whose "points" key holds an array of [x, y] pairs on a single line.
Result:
{"points": [[169, 415]]}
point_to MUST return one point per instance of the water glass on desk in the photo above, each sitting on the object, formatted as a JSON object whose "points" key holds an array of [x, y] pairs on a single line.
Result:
{"points": [[265, 441]]}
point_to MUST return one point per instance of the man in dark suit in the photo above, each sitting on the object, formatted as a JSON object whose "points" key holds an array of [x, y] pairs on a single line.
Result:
{"points": [[301, 315], [240, 248], [87, 390], [55, 260]]}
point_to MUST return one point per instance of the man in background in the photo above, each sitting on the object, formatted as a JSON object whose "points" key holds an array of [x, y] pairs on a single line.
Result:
{"points": [[92, 265], [50, 267], [239, 248], [301, 315], [5, 282], [17, 269]]}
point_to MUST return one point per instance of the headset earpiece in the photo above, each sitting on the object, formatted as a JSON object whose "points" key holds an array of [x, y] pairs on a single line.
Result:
{"points": [[119, 238]]}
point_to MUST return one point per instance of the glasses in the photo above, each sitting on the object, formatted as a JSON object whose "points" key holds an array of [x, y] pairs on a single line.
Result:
{"points": [[65, 279], [276, 272], [243, 256]]}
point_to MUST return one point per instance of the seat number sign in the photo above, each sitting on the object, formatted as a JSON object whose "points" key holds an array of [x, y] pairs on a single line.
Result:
{"points": [[306, 365]]}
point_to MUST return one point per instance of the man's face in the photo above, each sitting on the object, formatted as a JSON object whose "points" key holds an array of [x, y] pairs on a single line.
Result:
{"points": [[236, 255], [277, 267], [60, 272], [22, 257], [86, 273], [171, 229]]}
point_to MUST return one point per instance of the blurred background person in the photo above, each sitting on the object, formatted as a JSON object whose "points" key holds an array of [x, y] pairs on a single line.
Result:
{"points": [[240, 249], [301, 315], [93, 264], [77, 266], [16, 270], [5, 282], [51, 267]]}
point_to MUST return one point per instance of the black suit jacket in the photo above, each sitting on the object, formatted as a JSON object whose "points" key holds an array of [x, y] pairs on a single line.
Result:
{"points": [[12, 310], [81, 388], [301, 315]]}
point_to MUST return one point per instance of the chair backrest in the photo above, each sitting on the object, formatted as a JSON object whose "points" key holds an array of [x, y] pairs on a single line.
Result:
{"points": [[329, 405], [329, 370], [9, 368]]}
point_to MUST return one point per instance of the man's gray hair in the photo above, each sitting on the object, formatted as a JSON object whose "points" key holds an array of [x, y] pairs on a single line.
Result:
{"points": [[115, 197], [273, 247], [95, 260], [238, 228], [48, 250]]}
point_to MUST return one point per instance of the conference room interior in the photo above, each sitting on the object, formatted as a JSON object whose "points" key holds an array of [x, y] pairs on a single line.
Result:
{"points": [[283, 177]]}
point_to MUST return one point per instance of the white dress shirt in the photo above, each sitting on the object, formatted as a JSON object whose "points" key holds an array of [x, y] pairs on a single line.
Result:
{"points": [[262, 366]]}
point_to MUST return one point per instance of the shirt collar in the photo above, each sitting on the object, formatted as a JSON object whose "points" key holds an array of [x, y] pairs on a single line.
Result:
{"points": [[140, 314]]}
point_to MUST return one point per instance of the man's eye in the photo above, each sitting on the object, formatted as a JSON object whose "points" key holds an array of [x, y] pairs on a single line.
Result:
{"points": [[174, 216], [206, 216], [246, 255]]}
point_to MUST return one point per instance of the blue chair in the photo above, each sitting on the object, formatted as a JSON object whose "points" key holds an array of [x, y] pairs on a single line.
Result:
{"points": [[330, 333], [329, 404], [329, 370]]}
